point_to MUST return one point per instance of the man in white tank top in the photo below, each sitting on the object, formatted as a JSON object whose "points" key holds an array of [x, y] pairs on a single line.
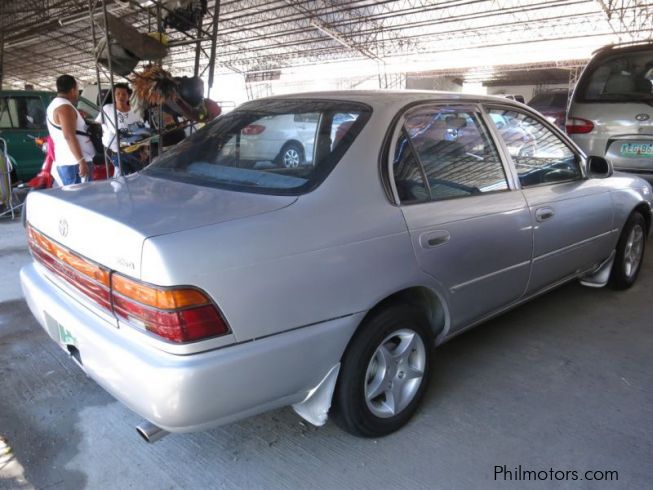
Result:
{"points": [[73, 148]]}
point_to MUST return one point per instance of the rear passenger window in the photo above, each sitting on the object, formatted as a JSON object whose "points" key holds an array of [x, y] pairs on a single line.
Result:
{"points": [[539, 155], [22, 113], [453, 153]]}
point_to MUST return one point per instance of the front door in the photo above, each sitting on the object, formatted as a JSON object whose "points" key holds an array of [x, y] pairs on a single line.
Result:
{"points": [[470, 230], [572, 215]]}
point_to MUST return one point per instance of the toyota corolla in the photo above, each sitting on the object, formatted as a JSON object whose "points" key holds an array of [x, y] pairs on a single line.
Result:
{"points": [[208, 288]]}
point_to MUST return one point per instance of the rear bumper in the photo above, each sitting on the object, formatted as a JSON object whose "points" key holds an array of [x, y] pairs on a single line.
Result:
{"points": [[185, 393], [605, 146]]}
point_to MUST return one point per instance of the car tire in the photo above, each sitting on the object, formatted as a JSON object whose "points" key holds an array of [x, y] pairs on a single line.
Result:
{"points": [[291, 155], [629, 253], [385, 372]]}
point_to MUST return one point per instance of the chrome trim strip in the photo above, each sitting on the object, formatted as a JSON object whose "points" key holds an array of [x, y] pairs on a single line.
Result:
{"points": [[574, 245], [462, 285]]}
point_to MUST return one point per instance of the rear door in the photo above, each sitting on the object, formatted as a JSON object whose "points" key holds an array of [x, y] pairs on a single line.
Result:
{"points": [[470, 227], [22, 120], [572, 215]]}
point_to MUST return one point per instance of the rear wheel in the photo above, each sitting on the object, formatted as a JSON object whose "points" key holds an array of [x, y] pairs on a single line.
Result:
{"points": [[630, 252], [292, 155], [385, 372]]}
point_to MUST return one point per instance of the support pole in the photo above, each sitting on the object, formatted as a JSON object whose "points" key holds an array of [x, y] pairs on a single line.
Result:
{"points": [[100, 101], [214, 40], [107, 40], [159, 29], [2, 45]]}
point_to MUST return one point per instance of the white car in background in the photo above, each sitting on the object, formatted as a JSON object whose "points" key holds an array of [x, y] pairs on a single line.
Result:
{"points": [[610, 114], [286, 141]]}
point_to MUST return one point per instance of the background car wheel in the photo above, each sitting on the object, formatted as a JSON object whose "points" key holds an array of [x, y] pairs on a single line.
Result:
{"points": [[384, 373], [630, 252], [292, 155]]}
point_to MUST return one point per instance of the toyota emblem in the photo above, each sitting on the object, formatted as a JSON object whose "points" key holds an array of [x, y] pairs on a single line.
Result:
{"points": [[642, 117], [63, 227]]}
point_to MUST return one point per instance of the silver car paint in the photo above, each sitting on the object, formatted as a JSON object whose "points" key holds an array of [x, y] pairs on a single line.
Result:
{"points": [[190, 393], [295, 276]]}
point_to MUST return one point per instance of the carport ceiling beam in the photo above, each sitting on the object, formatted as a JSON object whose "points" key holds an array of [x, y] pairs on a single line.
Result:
{"points": [[337, 37], [607, 9]]}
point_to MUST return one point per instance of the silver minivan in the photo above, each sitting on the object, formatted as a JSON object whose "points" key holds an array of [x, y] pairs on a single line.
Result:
{"points": [[611, 110]]}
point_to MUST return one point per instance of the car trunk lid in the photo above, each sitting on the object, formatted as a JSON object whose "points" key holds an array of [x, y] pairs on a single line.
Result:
{"points": [[108, 221]]}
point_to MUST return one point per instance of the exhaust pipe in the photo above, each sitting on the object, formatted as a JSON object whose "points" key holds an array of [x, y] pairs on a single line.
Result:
{"points": [[150, 432]]}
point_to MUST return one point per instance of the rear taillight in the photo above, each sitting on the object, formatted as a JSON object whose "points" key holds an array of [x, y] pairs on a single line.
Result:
{"points": [[88, 277], [253, 129], [176, 314], [577, 125]]}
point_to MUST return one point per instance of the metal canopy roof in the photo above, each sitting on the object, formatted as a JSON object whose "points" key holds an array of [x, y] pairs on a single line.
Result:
{"points": [[44, 38]]}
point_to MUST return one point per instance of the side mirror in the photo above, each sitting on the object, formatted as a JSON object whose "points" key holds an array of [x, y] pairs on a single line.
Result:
{"points": [[598, 167]]}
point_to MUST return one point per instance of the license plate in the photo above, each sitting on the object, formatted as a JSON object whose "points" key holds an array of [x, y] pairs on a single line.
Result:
{"points": [[634, 150], [66, 337]]}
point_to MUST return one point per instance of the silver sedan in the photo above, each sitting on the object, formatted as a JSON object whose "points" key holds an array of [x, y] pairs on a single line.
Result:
{"points": [[214, 285]]}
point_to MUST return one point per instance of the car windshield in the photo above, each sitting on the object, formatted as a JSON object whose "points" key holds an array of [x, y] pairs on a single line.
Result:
{"points": [[623, 77], [285, 147]]}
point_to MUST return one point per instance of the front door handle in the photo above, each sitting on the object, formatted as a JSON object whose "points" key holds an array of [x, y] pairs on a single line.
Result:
{"points": [[544, 214], [432, 239]]}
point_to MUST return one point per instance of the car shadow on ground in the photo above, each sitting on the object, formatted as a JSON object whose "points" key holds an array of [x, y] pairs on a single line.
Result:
{"points": [[41, 393]]}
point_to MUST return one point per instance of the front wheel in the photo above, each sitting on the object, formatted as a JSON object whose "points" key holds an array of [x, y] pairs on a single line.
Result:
{"points": [[630, 252], [385, 373]]}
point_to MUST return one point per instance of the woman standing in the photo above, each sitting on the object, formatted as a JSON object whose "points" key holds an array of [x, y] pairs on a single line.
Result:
{"points": [[126, 117]]}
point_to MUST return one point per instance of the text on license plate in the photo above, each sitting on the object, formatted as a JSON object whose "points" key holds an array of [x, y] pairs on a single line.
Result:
{"points": [[66, 337], [637, 149]]}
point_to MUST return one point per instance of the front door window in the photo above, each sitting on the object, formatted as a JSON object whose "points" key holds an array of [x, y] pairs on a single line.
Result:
{"points": [[539, 155]]}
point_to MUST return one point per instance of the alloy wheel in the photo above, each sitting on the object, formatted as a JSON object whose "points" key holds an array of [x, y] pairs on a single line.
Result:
{"points": [[291, 158], [633, 251], [395, 373]]}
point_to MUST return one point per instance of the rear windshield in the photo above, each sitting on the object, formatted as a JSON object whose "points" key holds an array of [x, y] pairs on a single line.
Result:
{"points": [[621, 77], [285, 147], [555, 99]]}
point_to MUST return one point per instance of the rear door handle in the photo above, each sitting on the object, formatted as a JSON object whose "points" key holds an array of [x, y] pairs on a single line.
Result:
{"points": [[544, 214], [432, 239]]}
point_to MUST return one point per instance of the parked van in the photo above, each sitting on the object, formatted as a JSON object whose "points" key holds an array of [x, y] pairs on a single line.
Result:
{"points": [[22, 120], [611, 112]]}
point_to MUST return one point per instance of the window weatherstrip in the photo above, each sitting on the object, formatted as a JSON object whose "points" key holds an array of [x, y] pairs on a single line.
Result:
{"points": [[418, 160], [509, 169]]}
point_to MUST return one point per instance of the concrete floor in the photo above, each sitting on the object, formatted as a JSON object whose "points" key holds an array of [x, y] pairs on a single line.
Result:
{"points": [[564, 382]]}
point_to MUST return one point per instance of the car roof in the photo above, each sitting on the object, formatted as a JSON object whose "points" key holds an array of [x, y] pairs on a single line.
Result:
{"points": [[623, 48], [27, 92], [380, 96]]}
